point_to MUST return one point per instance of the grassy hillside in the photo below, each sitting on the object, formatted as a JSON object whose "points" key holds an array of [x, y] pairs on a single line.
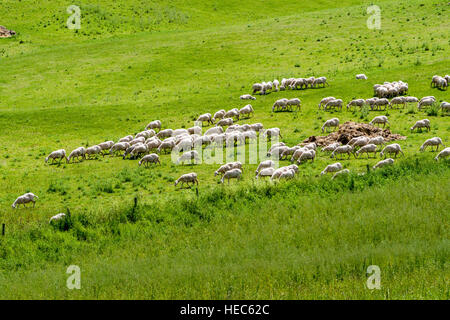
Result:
{"points": [[135, 61]]}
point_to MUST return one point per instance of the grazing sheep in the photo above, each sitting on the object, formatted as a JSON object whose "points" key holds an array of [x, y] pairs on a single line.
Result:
{"points": [[264, 165], [120, 146], [443, 154], [205, 118], [289, 152], [310, 146], [105, 146], [272, 132], [77, 153], [247, 110], [280, 103], [138, 150], [336, 103], [228, 166], [398, 101], [187, 178], [156, 124], [425, 103], [195, 130], [225, 122], [341, 150], [379, 141], [247, 97], [340, 173], [166, 133], [356, 103], [257, 127], [383, 102], [153, 144], [137, 140], [353, 140], [277, 151], [189, 156], [383, 163], [324, 101], [166, 145], [331, 147], [424, 123], [93, 151], [332, 168], [391, 149], [379, 120], [126, 139], [428, 97], [360, 142], [265, 172], [180, 132], [149, 158], [58, 217], [233, 113], [278, 172], [58, 154], [297, 154], [411, 99], [320, 80], [435, 141], [295, 102], [218, 115], [307, 155], [361, 76], [276, 145], [146, 134], [287, 174], [215, 130], [331, 123], [258, 87], [368, 148], [231, 174], [24, 199], [445, 106]]}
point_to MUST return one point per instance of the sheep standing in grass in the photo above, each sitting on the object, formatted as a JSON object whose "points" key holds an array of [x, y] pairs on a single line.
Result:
{"points": [[379, 120], [218, 115], [391, 149], [228, 166], [247, 110], [205, 118], [361, 76], [287, 174], [93, 151], [265, 164], [266, 172], [149, 158], [120, 146], [225, 122], [368, 148], [156, 124], [138, 150], [443, 154], [189, 156], [272, 132], [58, 217], [233, 113], [247, 97], [166, 145], [445, 106], [435, 141], [340, 173], [166, 133], [331, 147], [58, 154], [307, 155], [231, 174], [360, 142], [278, 172], [187, 178], [342, 150], [332, 168], [424, 123], [356, 103], [298, 153], [379, 141], [383, 102], [77, 153], [336, 103], [398, 101], [279, 104], [126, 139], [105, 146], [324, 101], [24, 199], [425, 103], [295, 102], [383, 163], [331, 123]]}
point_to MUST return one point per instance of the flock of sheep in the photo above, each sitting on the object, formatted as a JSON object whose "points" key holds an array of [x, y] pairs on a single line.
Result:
{"points": [[148, 144], [440, 82]]}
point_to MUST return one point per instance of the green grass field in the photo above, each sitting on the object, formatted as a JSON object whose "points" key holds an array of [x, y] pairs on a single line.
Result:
{"points": [[135, 61]]}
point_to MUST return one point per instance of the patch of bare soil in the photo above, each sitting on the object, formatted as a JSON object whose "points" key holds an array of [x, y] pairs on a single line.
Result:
{"points": [[350, 130]]}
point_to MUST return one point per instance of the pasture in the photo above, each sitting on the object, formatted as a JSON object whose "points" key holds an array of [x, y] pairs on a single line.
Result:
{"points": [[133, 62]]}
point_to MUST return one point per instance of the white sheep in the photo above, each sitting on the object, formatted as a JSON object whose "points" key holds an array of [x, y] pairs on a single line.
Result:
{"points": [[146, 134], [265, 172], [189, 156], [137, 140], [205, 118], [258, 87], [231, 174], [58, 217], [356, 103], [368, 148], [361, 76], [247, 97], [443, 154], [120, 146], [398, 101], [297, 154], [307, 155], [214, 130], [257, 127], [332, 168], [360, 142], [383, 163], [247, 110], [93, 151], [425, 103], [153, 143], [218, 115], [272, 132], [331, 147], [156, 124], [424, 123], [126, 139], [445, 106], [278, 172], [233, 113], [149, 158], [195, 130], [279, 104], [435, 141], [77, 153], [378, 140], [391, 149], [331, 123], [340, 173], [224, 122], [264, 165], [138, 150], [324, 101], [105, 146], [287, 174], [24, 199], [166, 145], [187, 178], [166, 133], [380, 120], [341, 150], [336, 103], [58, 154], [294, 102]]}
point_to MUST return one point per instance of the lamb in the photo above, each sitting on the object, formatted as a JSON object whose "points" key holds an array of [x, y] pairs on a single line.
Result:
{"points": [[247, 97], [324, 101], [247, 110], [266, 172], [264, 165], [166, 145], [331, 123], [156, 124], [307, 155], [295, 102], [149, 158], [205, 118], [218, 115], [356, 103], [231, 174], [77, 153], [189, 156], [383, 163], [166, 133], [120, 146], [424, 123], [445, 106], [372, 148], [24, 199], [58, 217], [225, 122], [378, 120], [436, 141], [93, 151], [361, 76], [58, 154], [341, 150], [187, 178], [391, 148], [443, 154], [340, 173], [332, 168], [336, 103], [280, 103]]}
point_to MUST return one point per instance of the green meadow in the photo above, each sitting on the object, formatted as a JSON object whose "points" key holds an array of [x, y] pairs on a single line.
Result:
{"points": [[135, 61]]}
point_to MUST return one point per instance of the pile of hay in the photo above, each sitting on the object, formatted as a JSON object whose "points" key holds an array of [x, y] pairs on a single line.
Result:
{"points": [[351, 129], [5, 33]]}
